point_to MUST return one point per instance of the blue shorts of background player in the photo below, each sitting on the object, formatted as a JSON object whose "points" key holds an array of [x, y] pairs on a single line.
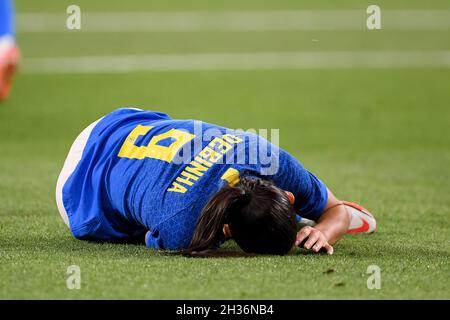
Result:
{"points": [[9, 52]]}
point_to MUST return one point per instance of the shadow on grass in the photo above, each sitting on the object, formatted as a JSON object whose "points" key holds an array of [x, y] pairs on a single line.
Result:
{"points": [[222, 253], [60, 243]]}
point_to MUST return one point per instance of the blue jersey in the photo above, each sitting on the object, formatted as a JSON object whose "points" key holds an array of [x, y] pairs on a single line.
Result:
{"points": [[143, 173]]}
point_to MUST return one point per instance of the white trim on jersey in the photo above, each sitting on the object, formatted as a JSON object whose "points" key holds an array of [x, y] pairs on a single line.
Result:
{"points": [[74, 156]]}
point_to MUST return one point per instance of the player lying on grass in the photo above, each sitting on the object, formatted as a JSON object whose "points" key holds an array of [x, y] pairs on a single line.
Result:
{"points": [[188, 185]]}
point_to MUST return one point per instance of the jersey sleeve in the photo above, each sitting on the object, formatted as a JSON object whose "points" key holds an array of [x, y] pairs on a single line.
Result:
{"points": [[152, 240], [174, 233], [168, 239], [310, 193]]}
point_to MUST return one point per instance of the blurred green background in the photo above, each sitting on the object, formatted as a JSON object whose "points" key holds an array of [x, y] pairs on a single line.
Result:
{"points": [[376, 134]]}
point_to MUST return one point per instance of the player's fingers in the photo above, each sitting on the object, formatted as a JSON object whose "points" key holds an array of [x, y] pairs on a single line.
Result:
{"points": [[328, 248], [319, 244], [302, 235], [312, 239]]}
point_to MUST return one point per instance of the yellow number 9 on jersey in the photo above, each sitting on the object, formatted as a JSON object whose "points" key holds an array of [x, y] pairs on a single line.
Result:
{"points": [[153, 150]]}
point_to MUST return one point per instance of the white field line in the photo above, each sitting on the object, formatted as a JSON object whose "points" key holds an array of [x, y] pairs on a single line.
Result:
{"points": [[192, 21], [239, 61]]}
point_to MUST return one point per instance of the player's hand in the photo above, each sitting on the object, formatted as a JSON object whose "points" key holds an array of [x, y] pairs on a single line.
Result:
{"points": [[313, 239]]}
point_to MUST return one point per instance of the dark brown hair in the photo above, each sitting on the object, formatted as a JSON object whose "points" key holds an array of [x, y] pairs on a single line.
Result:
{"points": [[259, 214]]}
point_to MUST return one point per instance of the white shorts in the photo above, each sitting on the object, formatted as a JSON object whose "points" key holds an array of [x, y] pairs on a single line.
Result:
{"points": [[74, 156]]}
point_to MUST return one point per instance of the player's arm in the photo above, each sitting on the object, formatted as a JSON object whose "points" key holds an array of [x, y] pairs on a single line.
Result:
{"points": [[331, 225], [314, 202]]}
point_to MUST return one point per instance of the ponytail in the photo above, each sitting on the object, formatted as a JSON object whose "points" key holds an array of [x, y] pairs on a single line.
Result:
{"points": [[214, 216], [259, 214]]}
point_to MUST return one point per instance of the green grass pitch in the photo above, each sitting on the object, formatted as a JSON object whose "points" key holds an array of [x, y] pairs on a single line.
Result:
{"points": [[379, 137]]}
